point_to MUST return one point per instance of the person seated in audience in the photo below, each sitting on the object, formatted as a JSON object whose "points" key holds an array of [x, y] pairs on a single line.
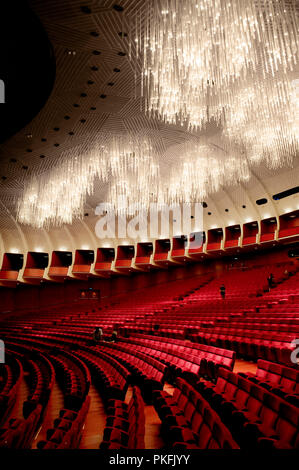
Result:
{"points": [[113, 337], [222, 291], [97, 334]]}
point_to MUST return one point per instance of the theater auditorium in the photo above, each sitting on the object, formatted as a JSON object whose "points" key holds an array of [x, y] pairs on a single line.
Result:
{"points": [[149, 226]]}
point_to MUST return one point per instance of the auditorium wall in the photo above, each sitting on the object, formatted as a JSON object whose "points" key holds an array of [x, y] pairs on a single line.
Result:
{"points": [[35, 297]]}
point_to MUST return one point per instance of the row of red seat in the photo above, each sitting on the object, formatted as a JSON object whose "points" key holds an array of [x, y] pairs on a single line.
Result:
{"points": [[278, 379], [254, 415], [171, 332], [125, 424], [263, 326], [146, 375], [109, 376], [197, 358], [74, 378], [11, 376], [249, 344], [67, 429], [19, 433], [40, 381], [185, 358], [188, 421], [71, 380]]}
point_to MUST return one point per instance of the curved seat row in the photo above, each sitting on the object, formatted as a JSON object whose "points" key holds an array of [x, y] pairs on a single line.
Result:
{"points": [[189, 422], [255, 416], [125, 423], [278, 379]]}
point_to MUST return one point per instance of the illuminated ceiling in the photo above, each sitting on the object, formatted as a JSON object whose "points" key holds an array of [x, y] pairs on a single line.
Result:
{"points": [[97, 93]]}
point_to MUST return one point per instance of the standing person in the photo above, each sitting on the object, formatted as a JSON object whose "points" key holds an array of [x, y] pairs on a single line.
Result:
{"points": [[222, 291], [286, 274], [97, 334], [270, 280]]}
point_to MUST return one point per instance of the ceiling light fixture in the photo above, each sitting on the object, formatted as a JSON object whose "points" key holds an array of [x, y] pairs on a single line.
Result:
{"points": [[241, 65]]}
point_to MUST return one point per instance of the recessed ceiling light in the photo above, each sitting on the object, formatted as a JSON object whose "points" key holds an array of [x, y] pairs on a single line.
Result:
{"points": [[85, 9], [209, 213], [118, 8], [244, 207], [262, 201], [226, 210]]}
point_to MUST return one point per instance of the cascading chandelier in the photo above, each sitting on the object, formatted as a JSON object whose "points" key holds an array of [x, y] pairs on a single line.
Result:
{"points": [[203, 167], [197, 53], [58, 196], [231, 62], [129, 166]]}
